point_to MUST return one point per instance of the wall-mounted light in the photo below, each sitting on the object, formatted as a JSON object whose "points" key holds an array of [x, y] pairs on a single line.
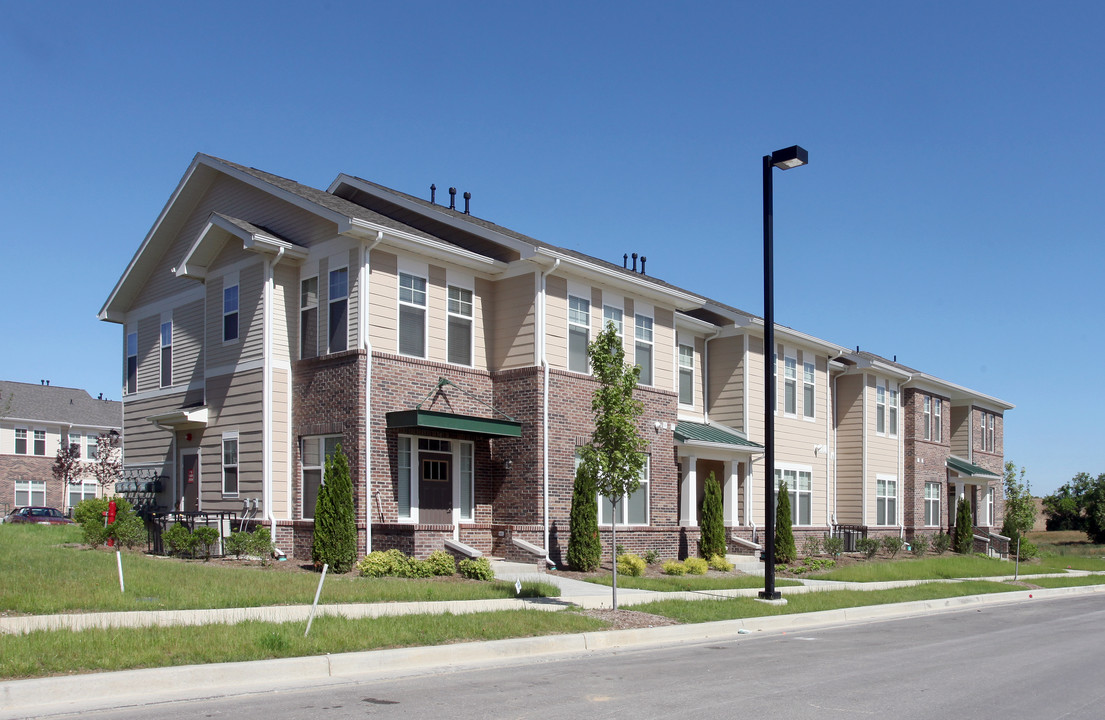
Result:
{"points": [[508, 464]]}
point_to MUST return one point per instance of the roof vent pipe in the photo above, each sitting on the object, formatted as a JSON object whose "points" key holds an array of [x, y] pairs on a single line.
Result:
{"points": [[452, 198], [625, 261], [634, 256], [895, 358], [467, 197], [643, 258], [433, 194]]}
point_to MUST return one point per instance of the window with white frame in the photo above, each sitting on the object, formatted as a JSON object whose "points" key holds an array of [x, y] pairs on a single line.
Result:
{"points": [[412, 315], [932, 504], [21, 441], [892, 408], [643, 350], [937, 420], [886, 500], [91, 451], [633, 508], [403, 492], [338, 327], [686, 375], [467, 479], [880, 408], [30, 492], [85, 490], [132, 363], [800, 489], [790, 385], [460, 326], [988, 508], [166, 354], [314, 452], [75, 439], [579, 333], [809, 386], [613, 315], [230, 464], [40, 442], [230, 313], [927, 420], [988, 431], [308, 318]]}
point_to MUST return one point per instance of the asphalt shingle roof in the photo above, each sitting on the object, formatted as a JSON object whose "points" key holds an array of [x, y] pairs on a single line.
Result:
{"points": [[55, 404]]}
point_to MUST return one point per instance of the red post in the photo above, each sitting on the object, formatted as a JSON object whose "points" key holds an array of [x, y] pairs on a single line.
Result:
{"points": [[111, 509]]}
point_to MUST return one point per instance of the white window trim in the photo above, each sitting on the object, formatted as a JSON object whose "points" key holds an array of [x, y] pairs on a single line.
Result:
{"points": [[681, 368], [425, 308], [34, 439], [303, 308], [331, 300], [783, 468], [935, 500], [926, 419], [86, 489], [880, 404], [33, 487], [27, 447], [126, 368], [938, 419], [893, 402], [459, 448], [651, 342], [794, 380], [894, 521], [237, 465], [809, 414], [412, 518], [161, 350], [573, 324], [618, 326], [303, 467], [471, 319]]}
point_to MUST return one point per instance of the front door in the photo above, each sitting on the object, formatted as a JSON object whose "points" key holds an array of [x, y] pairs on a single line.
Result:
{"points": [[190, 482], [435, 489]]}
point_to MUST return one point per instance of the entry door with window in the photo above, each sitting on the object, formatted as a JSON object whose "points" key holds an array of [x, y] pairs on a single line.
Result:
{"points": [[190, 482], [435, 489]]}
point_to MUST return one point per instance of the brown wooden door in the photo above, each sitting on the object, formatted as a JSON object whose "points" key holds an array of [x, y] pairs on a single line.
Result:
{"points": [[190, 482], [435, 489]]}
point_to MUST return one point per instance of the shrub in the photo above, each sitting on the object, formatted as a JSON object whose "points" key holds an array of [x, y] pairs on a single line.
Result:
{"points": [[89, 514], [964, 531], [941, 542], [712, 541], [415, 568], [674, 567], [695, 566], [815, 564], [811, 546], [785, 551], [919, 545], [651, 556], [833, 546], [335, 541], [1028, 550], [179, 540], [260, 544], [719, 563], [868, 546], [632, 565], [130, 532], [584, 546], [206, 538], [892, 545], [476, 569], [441, 563], [383, 563], [237, 544]]}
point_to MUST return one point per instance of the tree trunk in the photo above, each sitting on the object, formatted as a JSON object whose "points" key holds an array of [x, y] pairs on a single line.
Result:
{"points": [[614, 550]]}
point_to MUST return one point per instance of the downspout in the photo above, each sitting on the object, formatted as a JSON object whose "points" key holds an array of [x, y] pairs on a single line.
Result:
{"points": [[362, 322], [830, 434], [266, 399], [863, 453], [901, 450], [542, 322]]}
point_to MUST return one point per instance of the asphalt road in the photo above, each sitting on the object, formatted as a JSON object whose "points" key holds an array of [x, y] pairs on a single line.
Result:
{"points": [[1038, 659]]}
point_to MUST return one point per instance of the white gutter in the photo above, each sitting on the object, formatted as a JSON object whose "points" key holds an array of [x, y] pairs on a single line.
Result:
{"points": [[362, 319], [266, 396], [830, 434], [542, 325], [901, 453]]}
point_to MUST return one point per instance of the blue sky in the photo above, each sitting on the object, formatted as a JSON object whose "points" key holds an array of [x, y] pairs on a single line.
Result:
{"points": [[948, 215]]}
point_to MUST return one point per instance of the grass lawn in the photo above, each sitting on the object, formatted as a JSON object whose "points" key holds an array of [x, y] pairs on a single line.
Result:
{"points": [[1067, 549], [933, 567], [678, 583]]}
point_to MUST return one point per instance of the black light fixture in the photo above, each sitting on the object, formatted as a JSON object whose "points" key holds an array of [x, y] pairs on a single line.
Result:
{"points": [[784, 159]]}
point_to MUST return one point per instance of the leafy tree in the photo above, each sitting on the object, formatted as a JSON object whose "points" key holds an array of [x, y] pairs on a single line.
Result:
{"points": [[785, 549], [1093, 503], [335, 540], [108, 464], [584, 545], [713, 522], [1066, 507], [1020, 508], [615, 456], [128, 528], [964, 528], [68, 467]]}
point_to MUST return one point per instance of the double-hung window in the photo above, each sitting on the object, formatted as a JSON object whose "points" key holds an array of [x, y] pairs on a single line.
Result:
{"points": [[937, 420], [988, 508], [809, 375], [927, 421], [90, 452], [166, 354], [880, 408], [403, 492], [790, 385], [579, 333], [460, 326], [632, 508], [230, 313], [308, 318], [613, 315], [412, 315], [886, 501], [643, 351], [230, 464], [75, 439], [932, 504], [800, 489], [892, 408], [467, 479], [988, 432], [338, 336], [30, 492], [314, 452], [686, 375], [21, 441], [40, 442], [132, 363], [85, 490]]}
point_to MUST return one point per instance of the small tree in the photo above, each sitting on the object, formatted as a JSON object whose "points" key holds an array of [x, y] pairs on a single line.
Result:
{"points": [[785, 549], [107, 466], [1020, 508], [713, 523], [68, 467], [335, 540], [964, 530], [584, 545]]}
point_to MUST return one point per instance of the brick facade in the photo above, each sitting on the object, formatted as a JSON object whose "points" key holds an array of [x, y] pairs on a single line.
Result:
{"points": [[34, 468]]}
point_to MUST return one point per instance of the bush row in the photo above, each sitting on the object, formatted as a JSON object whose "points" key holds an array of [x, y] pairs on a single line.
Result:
{"points": [[393, 563]]}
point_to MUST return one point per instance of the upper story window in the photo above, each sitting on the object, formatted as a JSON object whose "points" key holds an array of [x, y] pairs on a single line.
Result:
{"points": [[988, 432], [809, 375], [338, 336], [21, 441], [790, 385], [412, 315], [612, 314], [579, 333], [926, 421], [91, 452], [937, 420], [892, 408], [460, 326], [40, 442], [308, 318], [230, 313], [686, 375], [75, 439], [132, 362], [643, 350], [230, 464], [166, 354], [880, 408]]}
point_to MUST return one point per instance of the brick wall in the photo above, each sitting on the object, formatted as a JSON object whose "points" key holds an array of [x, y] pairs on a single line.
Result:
{"points": [[925, 461], [34, 468]]}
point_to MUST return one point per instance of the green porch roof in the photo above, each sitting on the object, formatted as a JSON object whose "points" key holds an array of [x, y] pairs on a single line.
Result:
{"points": [[967, 469], [700, 432], [451, 421]]}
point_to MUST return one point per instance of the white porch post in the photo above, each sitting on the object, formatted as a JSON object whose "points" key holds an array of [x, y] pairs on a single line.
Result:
{"points": [[688, 492], [730, 494]]}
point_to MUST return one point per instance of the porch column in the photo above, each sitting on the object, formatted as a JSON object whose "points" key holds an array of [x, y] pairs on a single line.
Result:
{"points": [[730, 494], [688, 492]]}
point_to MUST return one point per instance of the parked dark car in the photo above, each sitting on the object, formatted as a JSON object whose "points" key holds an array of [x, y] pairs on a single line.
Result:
{"points": [[39, 516]]}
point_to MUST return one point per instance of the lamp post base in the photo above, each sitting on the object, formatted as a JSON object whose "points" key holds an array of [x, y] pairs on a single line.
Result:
{"points": [[765, 595]]}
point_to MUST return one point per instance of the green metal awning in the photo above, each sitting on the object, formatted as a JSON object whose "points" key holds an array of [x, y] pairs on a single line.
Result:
{"points": [[966, 469], [430, 419], [702, 433]]}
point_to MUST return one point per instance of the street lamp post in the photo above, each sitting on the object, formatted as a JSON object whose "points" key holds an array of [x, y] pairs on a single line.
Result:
{"points": [[784, 160]]}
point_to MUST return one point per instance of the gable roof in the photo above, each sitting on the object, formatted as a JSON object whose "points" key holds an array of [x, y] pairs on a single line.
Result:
{"points": [[58, 405], [954, 392]]}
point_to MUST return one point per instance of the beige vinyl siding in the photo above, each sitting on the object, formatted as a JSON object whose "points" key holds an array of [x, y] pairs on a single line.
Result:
{"points": [[353, 305], [664, 350], [285, 313], [482, 301], [436, 312], [281, 470], [963, 424], [513, 323], [849, 450], [149, 353], [236, 406], [188, 327], [383, 301], [755, 389], [235, 199], [249, 345], [556, 310], [725, 402], [143, 442], [795, 438]]}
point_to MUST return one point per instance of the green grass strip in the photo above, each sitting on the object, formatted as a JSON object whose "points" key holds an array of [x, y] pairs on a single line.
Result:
{"points": [[1065, 562], [688, 583], [942, 567], [1070, 581]]}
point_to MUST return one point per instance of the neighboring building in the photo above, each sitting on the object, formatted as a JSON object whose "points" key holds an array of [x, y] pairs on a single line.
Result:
{"points": [[266, 322], [35, 421]]}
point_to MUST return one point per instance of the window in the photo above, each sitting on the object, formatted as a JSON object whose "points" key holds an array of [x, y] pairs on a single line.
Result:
{"points": [[467, 481], [612, 315], [893, 410], [880, 409], [460, 326], [230, 464], [412, 315], [937, 422], [81, 491], [579, 334], [21, 441], [40, 442], [988, 432], [800, 489], [932, 504], [230, 313], [90, 451], [308, 318], [30, 492], [132, 362], [790, 389], [632, 509], [75, 439], [886, 501], [988, 508], [315, 451], [644, 348], [808, 386], [927, 423], [686, 375], [166, 354], [404, 490], [338, 337]]}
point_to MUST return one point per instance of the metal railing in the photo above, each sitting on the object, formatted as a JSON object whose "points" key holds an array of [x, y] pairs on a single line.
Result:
{"points": [[850, 534], [158, 522]]}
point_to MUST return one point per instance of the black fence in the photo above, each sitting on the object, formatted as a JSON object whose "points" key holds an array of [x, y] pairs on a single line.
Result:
{"points": [[158, 522], [850, 534]]}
